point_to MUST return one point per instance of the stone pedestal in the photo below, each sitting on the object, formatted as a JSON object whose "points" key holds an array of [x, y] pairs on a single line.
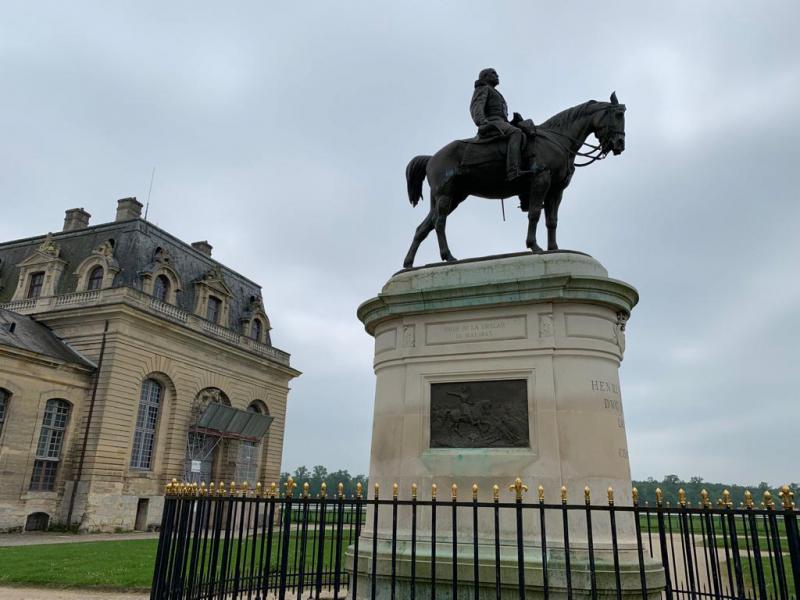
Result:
{"points": [[493, 369]]}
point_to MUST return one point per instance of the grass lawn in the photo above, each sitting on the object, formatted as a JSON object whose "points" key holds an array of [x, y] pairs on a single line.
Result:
{"points": [[123, 565]]}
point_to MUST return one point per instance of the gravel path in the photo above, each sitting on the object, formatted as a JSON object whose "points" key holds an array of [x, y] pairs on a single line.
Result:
{"points": [[32, 539]]}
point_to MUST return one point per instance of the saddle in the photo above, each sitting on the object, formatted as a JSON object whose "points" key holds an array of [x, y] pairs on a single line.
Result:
{"points": [[483, 149]]}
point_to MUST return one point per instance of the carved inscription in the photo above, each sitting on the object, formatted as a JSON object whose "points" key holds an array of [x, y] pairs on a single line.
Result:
{"points": [[604, 386], [480, 414], [478, 330]]}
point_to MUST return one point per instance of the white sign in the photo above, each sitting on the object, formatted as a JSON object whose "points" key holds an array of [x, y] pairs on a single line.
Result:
{"points": [[196, 466]]}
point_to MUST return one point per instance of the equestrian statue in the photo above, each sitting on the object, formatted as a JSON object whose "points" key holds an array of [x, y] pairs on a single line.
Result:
{"points": [[512, 158]]}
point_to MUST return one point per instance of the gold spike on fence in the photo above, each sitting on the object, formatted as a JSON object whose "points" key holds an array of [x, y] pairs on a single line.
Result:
{"points": [[563, 494], [323, 490], [610, 496], [705, 501], [659, 497], [434, 487], [290, 485], [395, 490], [474, 492], [768, 502], [518, 487], [635, 496], [496, 493], [306, 488], [414, 491], [340, 491], [359, 490], [540, 492], [682, 497], [377, 490], [726, 499], [787, 497], [454, 492]]}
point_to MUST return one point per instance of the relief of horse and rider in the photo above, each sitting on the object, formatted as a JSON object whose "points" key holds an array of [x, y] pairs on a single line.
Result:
{"points": [[512, 158]]}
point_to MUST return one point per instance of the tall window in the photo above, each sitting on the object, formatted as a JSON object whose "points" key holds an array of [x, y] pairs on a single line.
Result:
{"points": [[247, 458], [4, 396], [35, 284], [214, 309], [48, 450], [95, 279], [255, 330], [146, 421], [161, 288]]}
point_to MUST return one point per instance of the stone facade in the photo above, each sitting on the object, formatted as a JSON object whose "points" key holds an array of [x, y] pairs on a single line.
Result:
{"points": [[160, 314]]}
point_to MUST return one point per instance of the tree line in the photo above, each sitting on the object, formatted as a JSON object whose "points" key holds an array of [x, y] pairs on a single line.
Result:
{"points": [[332, 479]]}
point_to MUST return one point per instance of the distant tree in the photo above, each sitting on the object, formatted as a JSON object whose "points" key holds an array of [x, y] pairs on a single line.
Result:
{"points": [[301, 474], [672, 480], [695, 479]]}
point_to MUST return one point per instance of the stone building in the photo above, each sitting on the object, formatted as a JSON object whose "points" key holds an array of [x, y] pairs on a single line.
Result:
{"points": [[127, 358]]}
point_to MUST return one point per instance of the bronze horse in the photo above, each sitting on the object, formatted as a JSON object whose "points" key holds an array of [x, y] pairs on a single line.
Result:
{"points": [[550, 151]]}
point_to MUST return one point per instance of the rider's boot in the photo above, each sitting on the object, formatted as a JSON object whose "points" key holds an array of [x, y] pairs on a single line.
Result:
{"points": [[513, 156]]}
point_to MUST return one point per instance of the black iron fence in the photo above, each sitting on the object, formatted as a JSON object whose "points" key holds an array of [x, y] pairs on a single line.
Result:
{"points": [[255, 544]]}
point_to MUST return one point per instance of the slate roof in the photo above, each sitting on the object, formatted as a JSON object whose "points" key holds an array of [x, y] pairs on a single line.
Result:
{"points": [[135, 242], [25, 333]]}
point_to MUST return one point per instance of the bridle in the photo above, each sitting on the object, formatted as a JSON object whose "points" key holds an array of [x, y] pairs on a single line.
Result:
{"points": [[596, 153]]}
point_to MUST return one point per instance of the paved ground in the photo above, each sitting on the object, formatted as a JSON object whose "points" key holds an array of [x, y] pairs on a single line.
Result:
{"points": [[32, 538], [14, 593]]}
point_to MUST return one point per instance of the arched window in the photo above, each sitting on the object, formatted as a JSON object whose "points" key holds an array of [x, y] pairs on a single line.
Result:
{"points": [[255, 330], [95, 278], [214, 309], [35, 284], [4, 397], [51, 439], [161, 288], [145, 434]]}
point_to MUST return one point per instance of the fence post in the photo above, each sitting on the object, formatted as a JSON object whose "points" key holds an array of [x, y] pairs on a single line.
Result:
{"points": [[519, 488], [662, 542], [792, 534]]}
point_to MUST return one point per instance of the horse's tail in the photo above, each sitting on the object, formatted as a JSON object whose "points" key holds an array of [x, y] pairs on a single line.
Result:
{"points": [[415, 176]]}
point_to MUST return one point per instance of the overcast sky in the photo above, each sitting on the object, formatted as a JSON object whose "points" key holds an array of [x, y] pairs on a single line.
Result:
{"points": [[280, 132]]}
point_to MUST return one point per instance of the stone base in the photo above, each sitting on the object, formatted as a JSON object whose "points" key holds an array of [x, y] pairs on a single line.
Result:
{"points": [[581, 583]]}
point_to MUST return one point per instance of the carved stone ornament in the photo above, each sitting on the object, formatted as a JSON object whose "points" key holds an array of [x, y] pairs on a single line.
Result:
{"points": [[106, 249], [161, 255], [480, 414], [619, 330], [49, 246]]}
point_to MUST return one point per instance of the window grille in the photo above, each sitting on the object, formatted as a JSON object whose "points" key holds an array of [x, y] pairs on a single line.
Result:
{"points": [[36, 284], [247, 461], [161, 288], [214, 309], [95, 279], [51, 439], [146, 421]]}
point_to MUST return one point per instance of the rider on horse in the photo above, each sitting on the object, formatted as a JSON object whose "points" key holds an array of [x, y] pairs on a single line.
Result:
{"points": [[490, 113]]}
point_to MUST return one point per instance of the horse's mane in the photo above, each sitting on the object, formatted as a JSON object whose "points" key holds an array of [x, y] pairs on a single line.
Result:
{"points": [[569, 115]]}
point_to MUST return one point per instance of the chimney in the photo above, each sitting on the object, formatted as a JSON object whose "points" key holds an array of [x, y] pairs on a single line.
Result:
{"points": [[128, 208], [76, 218], [203, 247]]}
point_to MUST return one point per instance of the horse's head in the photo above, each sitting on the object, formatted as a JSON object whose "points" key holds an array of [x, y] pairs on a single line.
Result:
{"points": [[609, 126]]}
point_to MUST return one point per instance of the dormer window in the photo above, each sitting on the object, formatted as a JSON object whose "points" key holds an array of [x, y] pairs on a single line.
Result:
{"points": [[95, 278], [256, 329], [161, 288], [35, 284], [214, 309]]}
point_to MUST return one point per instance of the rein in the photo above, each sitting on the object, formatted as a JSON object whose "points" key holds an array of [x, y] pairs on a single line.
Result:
{"points": [[596, 153]]}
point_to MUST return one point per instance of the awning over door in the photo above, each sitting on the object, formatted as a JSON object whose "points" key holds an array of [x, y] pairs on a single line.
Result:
{"points": [[227, 422]]}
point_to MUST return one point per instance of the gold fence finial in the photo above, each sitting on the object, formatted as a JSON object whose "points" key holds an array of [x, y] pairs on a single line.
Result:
{"points": [[232, 489], [203, 489], [519, 488], [395, 491], [704, 499], [434, 488], [474, 492], [221, 488], [340, 490], [212, 489], [659, 497], [454, 492], [359, 490], [377, 490], [682, 497], [323, 490], [726, 499], [496, 493], [259, 489], [587, 495], [540, 493], [414, 491], [563, 494], [610, 496], [787, 497], [635, 496], [244, 488], [290, 485], [168, 489], [769, 504], [273, 489], [306, 489]]}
